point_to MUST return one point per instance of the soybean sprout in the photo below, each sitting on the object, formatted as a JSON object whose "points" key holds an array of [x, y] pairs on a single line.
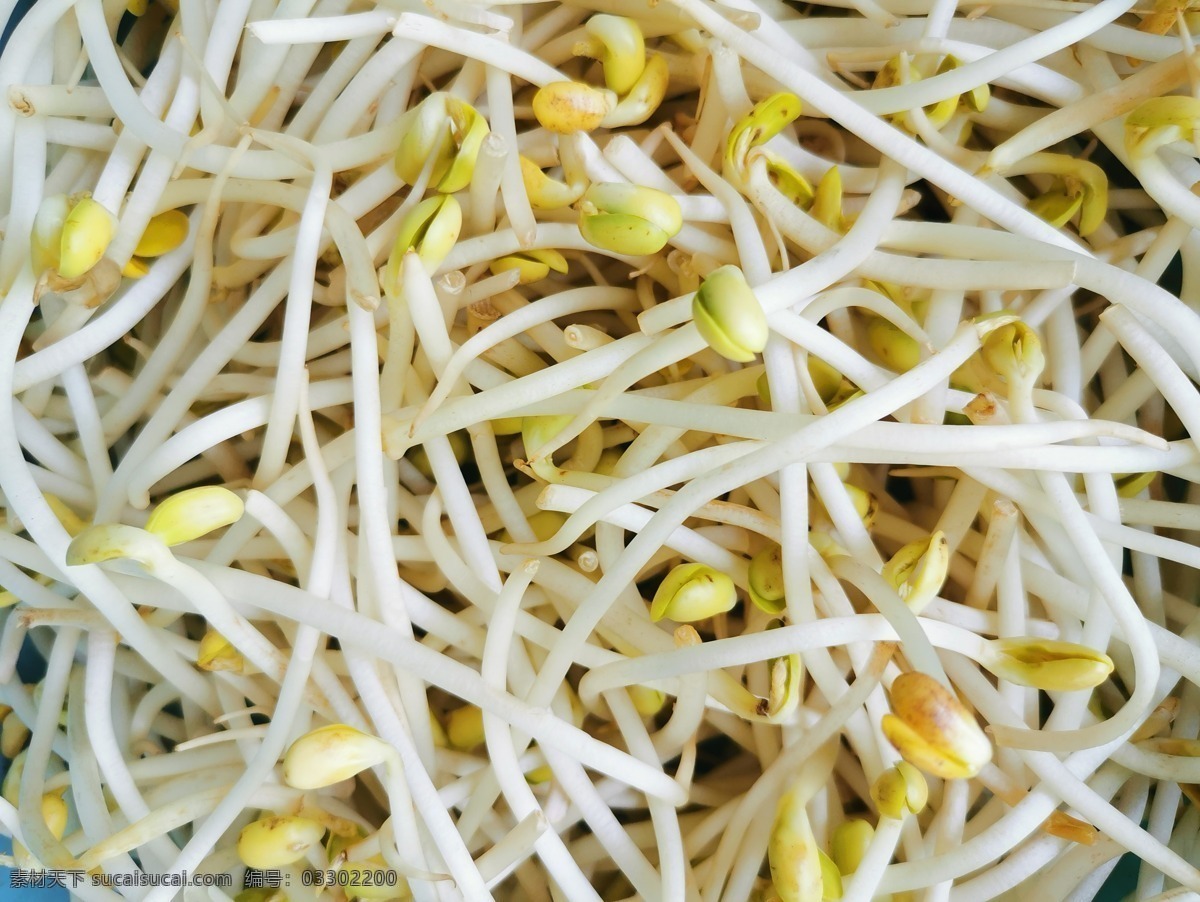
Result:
{"points": [[604, 450]]}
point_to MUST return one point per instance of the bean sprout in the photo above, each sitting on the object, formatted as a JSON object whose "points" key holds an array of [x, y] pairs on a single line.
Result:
{"points": [[392, 484]]}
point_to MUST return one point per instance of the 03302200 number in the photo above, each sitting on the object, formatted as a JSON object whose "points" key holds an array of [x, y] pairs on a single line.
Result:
{"points": [[351, 877]]}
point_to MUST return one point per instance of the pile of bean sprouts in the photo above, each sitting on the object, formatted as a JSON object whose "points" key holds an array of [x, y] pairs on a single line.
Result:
{"points": [[462, 493]]}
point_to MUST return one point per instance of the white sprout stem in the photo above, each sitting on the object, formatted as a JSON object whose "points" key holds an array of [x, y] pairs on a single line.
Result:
{"points": [[1166, 375], [41, 842], [459, 680], [508, 852], [1000, 62], [752, 466], [512, 187], [126, 156], [106, 329], [430, 325], [864, 882], [291, 693], [569, 499], [161, 820], [544, 310], [738, 650], [500, 741], [1079, 795], [490, 171], [142, 123], [85, 784], [208, 601], [273, 743], [897, 147], [27, 41], [671, 862], [322, 29], [26, 499], [489, 50], [206, 365], [295, 329], [634, 488], [383, 578], [767, 787], [1124, 612], [1149, 81], [156, 171], [1161, 819], [87, 419], [122, 414], [502, 399], [795, 548], [373, 515], [752, 254], [917, 647], [98, 688], [999, 537]]}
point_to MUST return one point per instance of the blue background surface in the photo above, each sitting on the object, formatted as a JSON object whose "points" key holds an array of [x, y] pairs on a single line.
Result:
{"points": [[18, 11], [31, 667]]}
